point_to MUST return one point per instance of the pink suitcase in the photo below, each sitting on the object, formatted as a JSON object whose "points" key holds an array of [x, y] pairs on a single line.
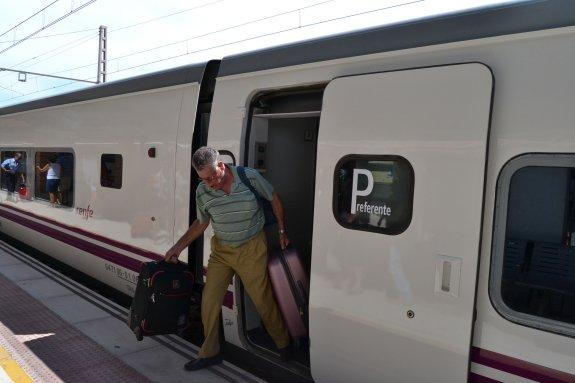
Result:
{"points": [[291, 289]]}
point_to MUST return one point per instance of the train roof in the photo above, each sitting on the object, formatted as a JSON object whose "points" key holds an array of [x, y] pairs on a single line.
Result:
{"points": [[486, 22], [481, 23], [174, 76]]}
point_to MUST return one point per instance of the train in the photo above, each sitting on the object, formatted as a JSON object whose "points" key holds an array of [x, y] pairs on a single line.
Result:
{"points": [[427, 170]]}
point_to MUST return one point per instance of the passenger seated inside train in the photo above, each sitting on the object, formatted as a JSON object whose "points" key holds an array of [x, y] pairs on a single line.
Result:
{"points": [[539, 258], [227, 199]]}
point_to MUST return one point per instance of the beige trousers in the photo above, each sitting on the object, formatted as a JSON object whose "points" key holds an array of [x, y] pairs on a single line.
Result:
{"points": [[249, 262]]}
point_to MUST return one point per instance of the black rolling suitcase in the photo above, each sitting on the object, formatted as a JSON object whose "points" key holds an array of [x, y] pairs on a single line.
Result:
{"points": [[161, 304]]}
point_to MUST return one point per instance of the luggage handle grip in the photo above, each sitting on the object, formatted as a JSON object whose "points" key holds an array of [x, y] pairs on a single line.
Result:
{"points": [[300, 294], [171, 263]]}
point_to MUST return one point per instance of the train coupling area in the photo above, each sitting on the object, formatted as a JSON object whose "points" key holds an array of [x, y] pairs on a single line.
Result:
{"points": [[53, 329]]}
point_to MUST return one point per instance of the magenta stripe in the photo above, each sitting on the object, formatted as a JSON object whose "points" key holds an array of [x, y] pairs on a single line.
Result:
{"points": [[229, 300], [99, 251], [106, 240], [476, 378], [519, 367]]}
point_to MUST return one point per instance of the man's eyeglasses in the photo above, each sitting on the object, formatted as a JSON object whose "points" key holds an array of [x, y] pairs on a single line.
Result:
{"points": [[211, 178]]}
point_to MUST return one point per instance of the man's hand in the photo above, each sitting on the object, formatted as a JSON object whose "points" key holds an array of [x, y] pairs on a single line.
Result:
{"points": [[172, 254], [189, 236], [284, 241]]}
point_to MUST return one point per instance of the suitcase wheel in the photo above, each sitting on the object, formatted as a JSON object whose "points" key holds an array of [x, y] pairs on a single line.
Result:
{"points": [[297, 343], [301, 343]]}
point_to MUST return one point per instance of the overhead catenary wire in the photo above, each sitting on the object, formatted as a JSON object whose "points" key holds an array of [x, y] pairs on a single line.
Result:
{"points": [[212, 32], [37, 75], [65, 48], [48, 25], [165, 16], [225, 29], [68, 46], [251, 38], [42, 90], [28, 18], [78, 67], [115, 29], [12, 90], [48, 36], [126, 26], [46, 75], [236, 41]]}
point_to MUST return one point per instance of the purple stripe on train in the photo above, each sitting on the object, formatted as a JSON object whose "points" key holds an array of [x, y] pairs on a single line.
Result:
{"points": [[89, 247], [476, 378], [519, 367], [99, 251], [98, 237]]}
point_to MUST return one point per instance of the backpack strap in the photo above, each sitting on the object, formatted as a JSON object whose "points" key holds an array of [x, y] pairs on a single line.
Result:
{"points": [[264, 204], [245, 180]]}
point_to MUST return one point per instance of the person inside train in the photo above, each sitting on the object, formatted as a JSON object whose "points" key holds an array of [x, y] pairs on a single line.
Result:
{"points": [[11, 167], [53, 170], [238, 247]]}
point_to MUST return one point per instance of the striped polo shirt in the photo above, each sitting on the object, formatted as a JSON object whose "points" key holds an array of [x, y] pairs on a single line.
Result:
{"points": [[236, 217]]}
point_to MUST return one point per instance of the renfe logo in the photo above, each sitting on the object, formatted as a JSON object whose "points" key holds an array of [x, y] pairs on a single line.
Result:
{"points": [[85, 212], [365, 207]]}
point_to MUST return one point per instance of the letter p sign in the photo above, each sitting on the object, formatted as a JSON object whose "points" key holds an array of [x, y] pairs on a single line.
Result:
{"points": [[355, 192]]}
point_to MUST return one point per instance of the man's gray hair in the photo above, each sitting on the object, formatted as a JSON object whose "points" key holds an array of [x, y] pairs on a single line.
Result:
{"points": [[204, 157]]}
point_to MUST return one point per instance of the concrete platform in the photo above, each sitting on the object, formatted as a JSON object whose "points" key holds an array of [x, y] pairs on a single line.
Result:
{"points": [[54, 330]]}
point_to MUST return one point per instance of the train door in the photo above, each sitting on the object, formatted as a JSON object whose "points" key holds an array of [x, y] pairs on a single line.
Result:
{"points": [[281, 144], [199, 139], [398, 207]]}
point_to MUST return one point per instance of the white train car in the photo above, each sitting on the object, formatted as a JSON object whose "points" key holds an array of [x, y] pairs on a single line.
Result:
{"points": [[427, 171]]}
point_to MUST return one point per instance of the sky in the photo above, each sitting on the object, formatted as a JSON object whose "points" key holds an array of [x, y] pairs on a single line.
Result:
{"points": [[146, 36]]}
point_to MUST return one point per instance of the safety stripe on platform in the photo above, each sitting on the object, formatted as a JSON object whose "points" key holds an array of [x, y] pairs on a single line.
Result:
{"points": [[4, 378], [10, 370]]}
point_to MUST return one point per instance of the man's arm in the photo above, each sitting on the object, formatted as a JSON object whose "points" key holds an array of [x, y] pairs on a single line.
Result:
{"points": [[189, 236], [279, 213]]}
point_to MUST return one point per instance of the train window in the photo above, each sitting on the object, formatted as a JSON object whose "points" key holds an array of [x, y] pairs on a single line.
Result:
{"points": [[533, 278], [54, 179], [111, 171], [373, 193], [13, 171]]}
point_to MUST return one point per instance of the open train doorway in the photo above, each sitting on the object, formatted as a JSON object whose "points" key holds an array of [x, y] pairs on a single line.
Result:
{"points": [[281, 143]]}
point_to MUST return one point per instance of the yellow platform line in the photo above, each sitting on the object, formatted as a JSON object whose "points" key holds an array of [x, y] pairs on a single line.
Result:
{"points": [[12, 368]]}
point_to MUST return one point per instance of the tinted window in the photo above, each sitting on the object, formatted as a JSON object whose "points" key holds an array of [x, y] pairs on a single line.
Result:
{"points": [[14, 175], [538, 276], [111, 171], [55, 175], [373, 193]]}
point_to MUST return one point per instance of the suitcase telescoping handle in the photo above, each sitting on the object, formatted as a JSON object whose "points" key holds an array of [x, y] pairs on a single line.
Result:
{"points": [[297, 288], [171, 263]]}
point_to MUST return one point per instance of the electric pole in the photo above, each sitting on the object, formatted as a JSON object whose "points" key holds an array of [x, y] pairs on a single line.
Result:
{"points": [[102, 64], [102, 55]]}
